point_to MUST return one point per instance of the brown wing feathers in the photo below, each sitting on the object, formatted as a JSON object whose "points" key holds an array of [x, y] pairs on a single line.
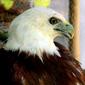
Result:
{"points": [[17, 69]]}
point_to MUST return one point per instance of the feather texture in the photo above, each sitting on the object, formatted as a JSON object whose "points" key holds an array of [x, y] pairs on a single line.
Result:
{"points": [[27, 69]]}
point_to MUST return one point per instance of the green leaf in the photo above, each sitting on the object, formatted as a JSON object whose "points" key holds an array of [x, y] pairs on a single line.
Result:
{"points": [[7, 3], [43, 3]]}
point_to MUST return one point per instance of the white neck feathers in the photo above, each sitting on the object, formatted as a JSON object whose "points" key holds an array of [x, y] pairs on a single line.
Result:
{"points": [[33, 42]]}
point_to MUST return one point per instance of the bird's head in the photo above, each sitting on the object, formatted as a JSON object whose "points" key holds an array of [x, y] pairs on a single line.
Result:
{"points": [[49, 22], [35, 29]]}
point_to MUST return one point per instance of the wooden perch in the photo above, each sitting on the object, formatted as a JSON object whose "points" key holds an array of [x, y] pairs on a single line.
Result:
{"points": [[75, 20]]}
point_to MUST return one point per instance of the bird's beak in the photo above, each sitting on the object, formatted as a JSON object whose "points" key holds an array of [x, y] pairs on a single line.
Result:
{"points": [[69, 32], [65, 29]]}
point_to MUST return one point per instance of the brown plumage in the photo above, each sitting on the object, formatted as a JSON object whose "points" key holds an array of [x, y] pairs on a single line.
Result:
{"points": [[25, 69]]}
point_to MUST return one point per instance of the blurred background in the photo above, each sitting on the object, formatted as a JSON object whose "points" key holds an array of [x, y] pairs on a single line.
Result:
{"points": [[82, 32], [9, 12]]}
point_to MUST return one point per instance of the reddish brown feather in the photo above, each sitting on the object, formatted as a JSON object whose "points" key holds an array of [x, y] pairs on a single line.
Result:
{"points": [[24, 69]]}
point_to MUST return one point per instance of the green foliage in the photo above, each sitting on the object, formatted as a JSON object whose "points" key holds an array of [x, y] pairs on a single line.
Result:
{"points": [[44, 3], [7, 3]]}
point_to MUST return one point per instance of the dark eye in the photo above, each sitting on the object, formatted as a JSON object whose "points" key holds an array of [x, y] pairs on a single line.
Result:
{"points": [[54, 20]]}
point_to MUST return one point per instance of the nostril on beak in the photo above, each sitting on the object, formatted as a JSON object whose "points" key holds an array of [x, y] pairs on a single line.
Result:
{"points": [[67, 25]]}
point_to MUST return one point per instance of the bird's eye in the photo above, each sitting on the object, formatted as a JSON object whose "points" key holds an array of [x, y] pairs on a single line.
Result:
{"points": [[54, 20]]}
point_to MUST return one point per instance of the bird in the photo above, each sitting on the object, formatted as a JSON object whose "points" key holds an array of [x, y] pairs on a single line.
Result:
{"points": [[30, 56]]}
